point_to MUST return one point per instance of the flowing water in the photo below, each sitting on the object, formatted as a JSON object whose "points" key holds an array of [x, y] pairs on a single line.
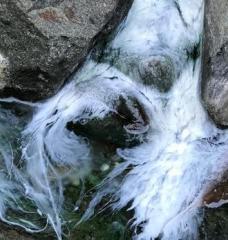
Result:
{"points": [[161, 178]]}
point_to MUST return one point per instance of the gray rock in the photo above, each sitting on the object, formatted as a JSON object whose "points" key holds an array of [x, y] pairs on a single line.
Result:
{"points": [[158, 71], [215, 62], [44, 41]]}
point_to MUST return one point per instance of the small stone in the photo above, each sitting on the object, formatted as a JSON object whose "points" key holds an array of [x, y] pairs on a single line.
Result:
{"points": [[105, 167], [74, 180]]}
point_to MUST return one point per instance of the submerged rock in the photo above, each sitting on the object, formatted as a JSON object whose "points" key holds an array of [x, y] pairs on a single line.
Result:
{"points": [[158, 71], [215, 224], [215, 62], [124, 127], [8, 233], [44, 41]]}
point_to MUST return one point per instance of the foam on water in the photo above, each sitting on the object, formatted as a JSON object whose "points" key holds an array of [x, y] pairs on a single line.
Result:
{"points": [[170, 172]]}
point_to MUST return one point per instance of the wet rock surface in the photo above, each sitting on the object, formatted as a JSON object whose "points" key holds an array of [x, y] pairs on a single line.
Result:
{"points": [[45, 41], [7, 233], [215, 62], [158, 71], [218, 194], [124, 127], [214, 95], [215, 224]]}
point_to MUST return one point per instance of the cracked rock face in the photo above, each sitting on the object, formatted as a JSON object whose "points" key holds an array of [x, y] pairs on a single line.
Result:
{"points": [[215, 63], [46, 40]]}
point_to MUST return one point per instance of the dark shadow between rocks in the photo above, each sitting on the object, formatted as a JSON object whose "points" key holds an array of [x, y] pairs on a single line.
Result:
{"points": [[126, 127]]}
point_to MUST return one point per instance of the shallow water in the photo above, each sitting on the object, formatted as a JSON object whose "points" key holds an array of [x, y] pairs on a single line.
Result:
{"points": [[53, 176]]}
